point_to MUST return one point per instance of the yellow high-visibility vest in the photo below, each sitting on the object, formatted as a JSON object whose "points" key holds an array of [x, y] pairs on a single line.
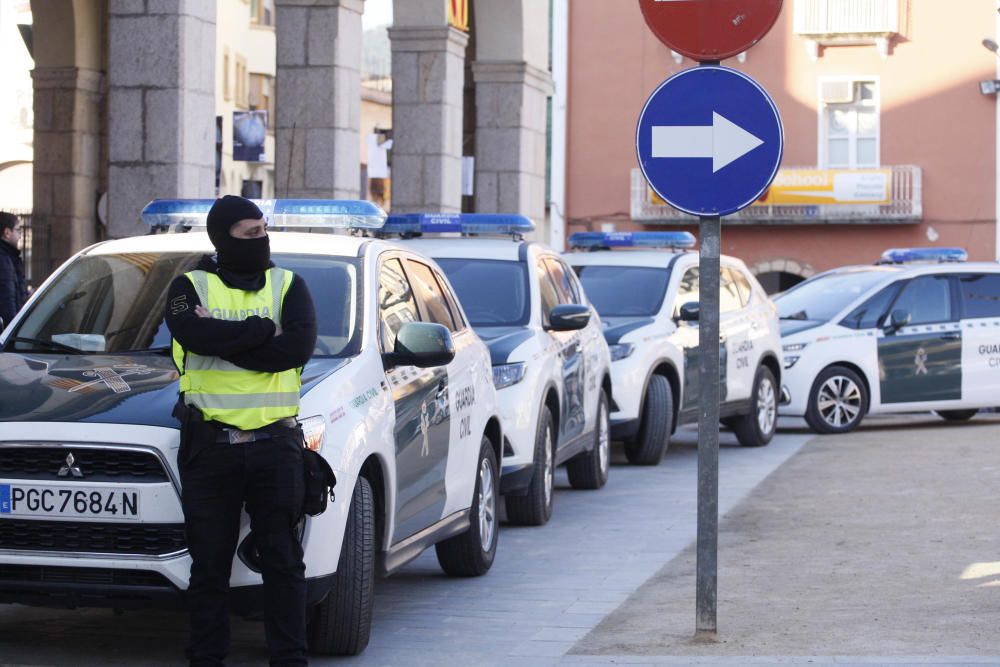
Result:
{"points": [[224, 392]]}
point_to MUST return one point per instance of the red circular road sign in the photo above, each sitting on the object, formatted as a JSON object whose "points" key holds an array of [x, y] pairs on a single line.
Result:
{"points": [[710, 29]]}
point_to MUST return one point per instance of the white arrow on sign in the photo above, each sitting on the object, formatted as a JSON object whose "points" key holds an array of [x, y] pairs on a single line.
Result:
{"points": [[724, 141]]}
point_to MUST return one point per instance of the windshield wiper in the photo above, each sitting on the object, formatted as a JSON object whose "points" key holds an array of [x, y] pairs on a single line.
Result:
{"points": [[801, 315], [49, 344]]}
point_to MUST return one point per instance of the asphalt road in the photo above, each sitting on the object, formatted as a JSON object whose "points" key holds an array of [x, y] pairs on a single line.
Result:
{"points": [[548, 588]]}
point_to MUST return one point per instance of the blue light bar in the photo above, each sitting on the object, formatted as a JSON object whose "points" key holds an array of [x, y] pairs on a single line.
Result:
{"points": [[907, 255], [598, 240], [282, 213], [463, 223]]}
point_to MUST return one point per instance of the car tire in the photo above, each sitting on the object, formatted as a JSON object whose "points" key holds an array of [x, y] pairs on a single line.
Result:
{"points": [[471, 553], [956, 415], [650, 444], [589, 470], [535, 507], [847, 391], [341, 623], [756, 428]]}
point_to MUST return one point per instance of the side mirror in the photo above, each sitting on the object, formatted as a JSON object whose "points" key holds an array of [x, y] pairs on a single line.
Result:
{"points": [[897, 320], [421, 344], [569, 317], [690, 312]]}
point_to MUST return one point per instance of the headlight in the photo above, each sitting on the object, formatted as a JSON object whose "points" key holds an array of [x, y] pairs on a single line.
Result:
{"points": [[505, 375], [794, 347], [314, 428], [790, 361], [620, 350]]}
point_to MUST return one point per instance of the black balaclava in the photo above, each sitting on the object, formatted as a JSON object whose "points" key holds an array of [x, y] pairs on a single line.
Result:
{"points": [[244, 257]]}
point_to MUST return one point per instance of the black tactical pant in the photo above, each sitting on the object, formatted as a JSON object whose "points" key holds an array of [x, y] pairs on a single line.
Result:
{"points": [[218, 478]]}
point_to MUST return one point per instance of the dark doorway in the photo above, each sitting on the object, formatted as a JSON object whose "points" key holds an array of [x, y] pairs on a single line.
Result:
{"points": [[774, 282]]}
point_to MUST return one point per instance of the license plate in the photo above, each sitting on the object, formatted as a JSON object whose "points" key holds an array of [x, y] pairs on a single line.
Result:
{"points": [[69, 501]]}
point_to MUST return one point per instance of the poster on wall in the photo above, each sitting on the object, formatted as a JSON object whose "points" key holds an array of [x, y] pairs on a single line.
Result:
{"points": [[249, 134]]}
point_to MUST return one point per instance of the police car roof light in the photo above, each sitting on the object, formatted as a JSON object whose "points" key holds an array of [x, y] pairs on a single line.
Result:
{"points": [[463, 223], [281, 213], [608, 240], [907, 255]]}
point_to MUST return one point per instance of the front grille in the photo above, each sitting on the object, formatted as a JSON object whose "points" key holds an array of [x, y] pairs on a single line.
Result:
{"points": [[87, 576], [144, 539], [96, 464]]}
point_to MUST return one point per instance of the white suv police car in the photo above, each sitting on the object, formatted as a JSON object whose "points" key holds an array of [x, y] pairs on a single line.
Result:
{"points": [[648, 301], [915, 332], [550, 361], [398, 398]]}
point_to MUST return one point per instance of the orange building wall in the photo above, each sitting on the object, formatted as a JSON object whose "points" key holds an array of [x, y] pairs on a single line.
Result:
{"points": [[931, 113]]}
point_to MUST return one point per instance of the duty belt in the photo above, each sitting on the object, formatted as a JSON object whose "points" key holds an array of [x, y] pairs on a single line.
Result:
{"points": [[235, 436]]}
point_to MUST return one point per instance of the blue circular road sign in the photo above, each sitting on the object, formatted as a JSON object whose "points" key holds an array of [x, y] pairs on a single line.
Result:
{"points": [[709, 140]]}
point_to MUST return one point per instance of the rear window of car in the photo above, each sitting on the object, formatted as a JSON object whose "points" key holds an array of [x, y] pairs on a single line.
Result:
{"points": [[980, 295], [624, 291], [476, 282]]}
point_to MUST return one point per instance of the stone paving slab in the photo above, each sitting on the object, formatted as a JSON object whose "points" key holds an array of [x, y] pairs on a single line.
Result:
{"points": [[881, 543]]}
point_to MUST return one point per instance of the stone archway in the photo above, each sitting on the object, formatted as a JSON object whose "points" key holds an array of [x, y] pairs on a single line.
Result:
{"points": [[68, 79], [513, 84], [778, 275], [510, 72]]}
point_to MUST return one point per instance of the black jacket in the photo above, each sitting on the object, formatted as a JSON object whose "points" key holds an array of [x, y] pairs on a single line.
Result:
{"points": [[249, 343], [13, 287]]}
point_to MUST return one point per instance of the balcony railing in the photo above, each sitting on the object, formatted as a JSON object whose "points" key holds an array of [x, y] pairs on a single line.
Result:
{"points": [[904, 205], [828, 18]]}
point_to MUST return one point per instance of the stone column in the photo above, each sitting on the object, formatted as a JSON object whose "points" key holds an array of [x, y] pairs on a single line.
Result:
{"points": [[428, 65], [318, 101], [511, 100], [161, 106], [67, 164]]}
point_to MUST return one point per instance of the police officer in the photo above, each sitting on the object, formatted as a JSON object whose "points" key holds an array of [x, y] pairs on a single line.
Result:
{"points": [[242, 331]]}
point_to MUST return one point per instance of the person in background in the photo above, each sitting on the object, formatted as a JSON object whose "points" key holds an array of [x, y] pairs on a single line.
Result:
{"points": [[13, 286]]}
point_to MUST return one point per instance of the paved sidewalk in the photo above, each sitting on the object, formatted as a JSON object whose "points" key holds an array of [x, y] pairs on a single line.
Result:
{"points": [[877, 547]]}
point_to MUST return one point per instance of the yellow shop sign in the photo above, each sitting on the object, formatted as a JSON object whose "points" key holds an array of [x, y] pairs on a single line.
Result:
{"points": [[828, 186]]}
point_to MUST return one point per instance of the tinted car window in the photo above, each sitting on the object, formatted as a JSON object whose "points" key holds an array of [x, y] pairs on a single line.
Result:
{"points": [[624, 291], [688, 289], [822, 297], [550, 297], [116, 302], [980, 295], [433, 305], [869, 314], [927, 299], [476, 282], [563, 280], [729, 295], [742, 285], [395, 301]]}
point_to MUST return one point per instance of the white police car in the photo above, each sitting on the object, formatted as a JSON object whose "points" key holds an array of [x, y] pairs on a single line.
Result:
{"points": [[550, 362], [648, 301], [398, 398], [918, 331]]}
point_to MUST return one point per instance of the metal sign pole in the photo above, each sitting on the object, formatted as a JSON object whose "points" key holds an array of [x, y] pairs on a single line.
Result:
{"points": [[710, 233]]}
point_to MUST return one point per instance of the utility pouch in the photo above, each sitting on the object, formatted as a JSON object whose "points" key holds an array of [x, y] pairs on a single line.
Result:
{"points": [[319, 482]]}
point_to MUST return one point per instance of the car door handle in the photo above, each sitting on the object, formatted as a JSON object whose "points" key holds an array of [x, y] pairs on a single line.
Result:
{"points": [[954, 335]]}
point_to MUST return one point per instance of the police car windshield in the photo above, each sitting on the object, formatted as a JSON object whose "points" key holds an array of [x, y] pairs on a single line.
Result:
{"points": [[494, 293], [115, 303], [821, 298], [624, 291]]}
